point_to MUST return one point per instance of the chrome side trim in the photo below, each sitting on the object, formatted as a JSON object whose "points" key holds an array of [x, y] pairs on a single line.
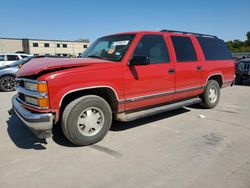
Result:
{"points": [[31, 93], [189, 89], [163, 94], [30, 80], [121, 101], [150, 96], [35, 121]]}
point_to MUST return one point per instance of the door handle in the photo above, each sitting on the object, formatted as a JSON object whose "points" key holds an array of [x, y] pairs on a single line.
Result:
{"points": [[199, 68], [171, 71]]}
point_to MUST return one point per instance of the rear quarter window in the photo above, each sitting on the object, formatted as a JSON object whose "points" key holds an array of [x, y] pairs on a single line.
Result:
{"points": [[214, 49]]}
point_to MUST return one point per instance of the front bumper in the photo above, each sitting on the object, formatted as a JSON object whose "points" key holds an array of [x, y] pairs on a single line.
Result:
{"points": [[40, 123]]}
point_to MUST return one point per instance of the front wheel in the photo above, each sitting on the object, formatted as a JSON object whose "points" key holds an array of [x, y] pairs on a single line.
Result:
{"points": [[86, 120], [211, 95]]}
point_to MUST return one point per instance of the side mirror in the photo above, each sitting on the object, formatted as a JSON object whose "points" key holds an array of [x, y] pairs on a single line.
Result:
{"points": [[139, 60]]}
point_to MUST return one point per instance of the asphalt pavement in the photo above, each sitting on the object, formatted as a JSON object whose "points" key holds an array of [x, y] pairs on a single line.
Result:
{"points": [[190, 147]]}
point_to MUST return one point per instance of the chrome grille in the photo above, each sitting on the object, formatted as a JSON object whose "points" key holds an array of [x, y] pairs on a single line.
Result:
{"points": [[23, 92], [247, 66]]}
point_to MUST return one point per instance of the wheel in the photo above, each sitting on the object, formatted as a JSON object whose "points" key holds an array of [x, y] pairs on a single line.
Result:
{"points": [[86, 120], [211, 95], [7, 83]]}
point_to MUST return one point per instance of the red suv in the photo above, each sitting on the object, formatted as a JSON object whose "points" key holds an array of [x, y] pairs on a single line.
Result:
{"points": [[124, 76]]}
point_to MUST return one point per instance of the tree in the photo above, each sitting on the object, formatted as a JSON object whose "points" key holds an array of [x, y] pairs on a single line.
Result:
{"points": [[248, 36], [239, 46]]}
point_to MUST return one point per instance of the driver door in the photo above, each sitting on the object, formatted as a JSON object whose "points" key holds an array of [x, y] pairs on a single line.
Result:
{"points": [[147, 85]]}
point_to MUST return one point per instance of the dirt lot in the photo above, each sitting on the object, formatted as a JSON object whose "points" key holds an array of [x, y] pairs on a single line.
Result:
{"points": [[189, 147]]}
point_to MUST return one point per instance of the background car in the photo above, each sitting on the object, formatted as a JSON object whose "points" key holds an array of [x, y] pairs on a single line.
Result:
{"points": [[242, 70], [8, 72], [6, 59]]}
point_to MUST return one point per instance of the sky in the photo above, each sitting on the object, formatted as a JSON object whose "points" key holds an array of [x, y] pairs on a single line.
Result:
{"points": [[74, 19]]}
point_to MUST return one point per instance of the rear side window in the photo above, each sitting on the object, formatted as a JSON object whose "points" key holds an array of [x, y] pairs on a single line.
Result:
{"points": [[214, 49], [154, 47], [2, 58], [184, 49], [12, 57]]}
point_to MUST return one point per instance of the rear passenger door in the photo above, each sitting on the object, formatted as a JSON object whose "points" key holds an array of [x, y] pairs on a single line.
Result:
{"points": [[187, 67]]}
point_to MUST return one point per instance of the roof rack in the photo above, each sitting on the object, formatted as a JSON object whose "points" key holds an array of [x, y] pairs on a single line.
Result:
{"points": [[188, 33]]}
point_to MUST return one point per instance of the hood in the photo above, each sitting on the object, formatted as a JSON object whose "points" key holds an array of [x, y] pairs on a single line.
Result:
{"points": [[38, 65]]}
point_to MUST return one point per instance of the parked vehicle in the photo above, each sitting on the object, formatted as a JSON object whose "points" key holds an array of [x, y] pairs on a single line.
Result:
{"points": [[6, 59], [126, 76], [242, 70], [8, 73]]}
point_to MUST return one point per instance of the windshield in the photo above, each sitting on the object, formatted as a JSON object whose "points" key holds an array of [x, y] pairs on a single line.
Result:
{"points": [[111, 48]]}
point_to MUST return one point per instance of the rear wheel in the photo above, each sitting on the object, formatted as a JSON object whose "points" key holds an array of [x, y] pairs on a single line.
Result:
{"points": [[7, 83], [211, 95], [86, 120]]}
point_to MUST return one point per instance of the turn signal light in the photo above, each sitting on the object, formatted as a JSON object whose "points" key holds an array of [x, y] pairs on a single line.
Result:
{"points": [[43, 102], [42, 87]]}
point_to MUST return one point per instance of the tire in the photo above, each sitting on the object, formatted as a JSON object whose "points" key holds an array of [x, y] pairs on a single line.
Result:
{"points": [[86, 120], [7, 83], [208, 99]]}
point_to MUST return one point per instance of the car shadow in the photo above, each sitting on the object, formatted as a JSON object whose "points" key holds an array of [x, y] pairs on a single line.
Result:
{"points": [[21, 136], [122, 126], [60, 139]]}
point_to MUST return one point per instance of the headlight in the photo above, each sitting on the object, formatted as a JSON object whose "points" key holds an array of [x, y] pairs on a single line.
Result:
{"points": [[40, 102], [40, 87], [240, 66]]}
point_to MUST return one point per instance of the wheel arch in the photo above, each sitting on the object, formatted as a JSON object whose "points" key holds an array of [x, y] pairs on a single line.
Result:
{"points": [[217, 77], [107, 93]]}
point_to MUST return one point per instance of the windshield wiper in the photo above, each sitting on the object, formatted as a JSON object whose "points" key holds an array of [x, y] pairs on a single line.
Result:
{"points": [[95, 56]]}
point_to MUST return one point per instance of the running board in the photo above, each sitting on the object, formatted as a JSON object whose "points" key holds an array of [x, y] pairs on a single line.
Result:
{"points": [[156, 110]]}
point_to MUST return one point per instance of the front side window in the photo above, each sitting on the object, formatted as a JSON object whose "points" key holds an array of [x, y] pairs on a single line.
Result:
{"points": [[154, 47], [2, 57], [111, 48], [58, 45], [64, 45], [46, 45], [184, 49], [12, 57]]}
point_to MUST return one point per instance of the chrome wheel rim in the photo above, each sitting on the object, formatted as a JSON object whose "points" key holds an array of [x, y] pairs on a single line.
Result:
{"points": [[90, 121], [8, 84], [213, 94]]}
